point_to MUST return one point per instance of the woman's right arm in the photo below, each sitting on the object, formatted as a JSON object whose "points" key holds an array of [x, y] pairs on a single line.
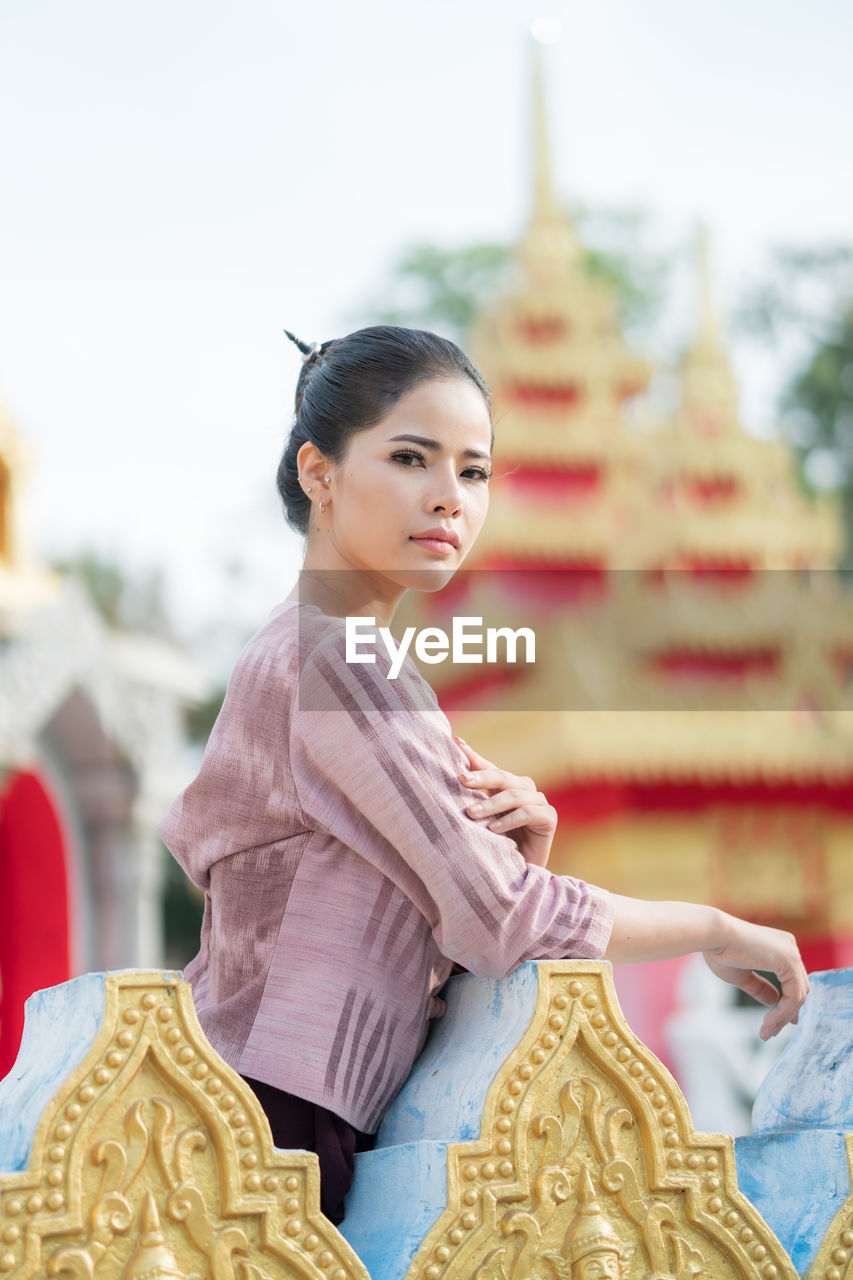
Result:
{"points": [[644, 930], [732, 948], [375, 767]]}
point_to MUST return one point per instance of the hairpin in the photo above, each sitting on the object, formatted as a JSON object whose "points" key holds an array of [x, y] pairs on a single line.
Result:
{"points": [[309, 351]]}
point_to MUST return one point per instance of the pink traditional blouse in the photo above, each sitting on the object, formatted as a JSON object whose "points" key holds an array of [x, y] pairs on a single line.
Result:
{"points": [[342, 875]]}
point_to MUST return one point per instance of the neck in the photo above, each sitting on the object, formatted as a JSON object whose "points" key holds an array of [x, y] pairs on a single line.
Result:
{"points": [[344, 590]]}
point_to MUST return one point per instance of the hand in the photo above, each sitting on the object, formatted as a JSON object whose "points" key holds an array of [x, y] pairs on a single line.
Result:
{"points": [[753, 946], [733, 949], [524, 810]]}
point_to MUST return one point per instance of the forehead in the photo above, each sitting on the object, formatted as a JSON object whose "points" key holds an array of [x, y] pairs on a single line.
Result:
{"points": [[451, 411]]}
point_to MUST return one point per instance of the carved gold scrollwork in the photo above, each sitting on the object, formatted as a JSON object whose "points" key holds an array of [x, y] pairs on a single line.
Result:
{"points": [[154, 1161], [588, 1167]]}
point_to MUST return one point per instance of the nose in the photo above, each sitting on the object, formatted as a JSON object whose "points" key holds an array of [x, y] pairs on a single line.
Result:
{"points": [[446, 494]]}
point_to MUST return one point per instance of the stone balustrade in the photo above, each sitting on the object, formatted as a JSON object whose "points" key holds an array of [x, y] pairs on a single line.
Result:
{"points": [[536, 1139], [796, 1164]]}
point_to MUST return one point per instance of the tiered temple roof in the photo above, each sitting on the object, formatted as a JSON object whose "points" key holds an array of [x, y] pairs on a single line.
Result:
{"points": [[657, 673], [730, 499]]}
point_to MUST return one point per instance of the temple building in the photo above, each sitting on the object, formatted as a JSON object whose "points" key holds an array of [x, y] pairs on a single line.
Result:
{"points": [[91, 738], [687, 711]]}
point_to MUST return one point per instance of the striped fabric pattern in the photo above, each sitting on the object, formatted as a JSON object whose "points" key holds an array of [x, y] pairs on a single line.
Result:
{"points": [[342, 875]]}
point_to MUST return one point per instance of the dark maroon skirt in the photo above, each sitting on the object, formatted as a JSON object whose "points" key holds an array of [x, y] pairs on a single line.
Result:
{"points": [[307, 1126]]}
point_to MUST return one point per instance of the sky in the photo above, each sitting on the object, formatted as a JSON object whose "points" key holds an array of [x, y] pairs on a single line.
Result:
{"points": [[184, 178]]}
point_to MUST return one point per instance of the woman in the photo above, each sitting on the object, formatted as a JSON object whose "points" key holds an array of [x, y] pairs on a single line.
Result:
{"points": [[350, 849]]}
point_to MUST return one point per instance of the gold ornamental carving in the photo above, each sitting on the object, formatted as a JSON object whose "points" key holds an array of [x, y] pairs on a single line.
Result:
{"points": [[155, 1160], [588, 1167]]}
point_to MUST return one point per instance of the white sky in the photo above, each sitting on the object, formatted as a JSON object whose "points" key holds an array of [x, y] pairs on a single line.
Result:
{"points": [[182, 178]]}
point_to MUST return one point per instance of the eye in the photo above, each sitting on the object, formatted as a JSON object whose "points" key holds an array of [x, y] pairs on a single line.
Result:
{"points": [[408, 454], [408, 458]]}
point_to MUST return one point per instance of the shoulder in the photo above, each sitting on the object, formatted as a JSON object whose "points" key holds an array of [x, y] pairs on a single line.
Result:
{"points": [[359, 718], [264, 682], [359, 677], [278, 650]]}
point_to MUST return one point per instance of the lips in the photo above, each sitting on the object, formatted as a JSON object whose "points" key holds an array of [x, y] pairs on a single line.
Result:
{"points": [[437, 535]]}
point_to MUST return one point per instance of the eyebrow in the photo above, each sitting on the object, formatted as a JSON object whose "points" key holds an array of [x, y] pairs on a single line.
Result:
{"points": [[434, 444]]}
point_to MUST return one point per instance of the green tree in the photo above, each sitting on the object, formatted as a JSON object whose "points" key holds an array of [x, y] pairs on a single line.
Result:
{"points": [[201, 718], [124, 601], [434, 287], [803, 307]]}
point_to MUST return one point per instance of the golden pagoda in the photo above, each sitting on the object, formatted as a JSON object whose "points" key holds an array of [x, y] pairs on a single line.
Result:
{"points": [[687, 717]]}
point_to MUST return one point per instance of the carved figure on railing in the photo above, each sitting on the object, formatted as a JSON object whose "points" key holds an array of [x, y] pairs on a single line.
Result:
{"points": [[591, 1250], [153, 1257]]}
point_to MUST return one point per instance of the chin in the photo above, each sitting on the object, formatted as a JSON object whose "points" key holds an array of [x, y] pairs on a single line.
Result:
{"points": [[425, 579]]}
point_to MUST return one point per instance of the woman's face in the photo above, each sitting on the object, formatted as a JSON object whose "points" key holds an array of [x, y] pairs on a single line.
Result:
{"points": [[424, 467]]}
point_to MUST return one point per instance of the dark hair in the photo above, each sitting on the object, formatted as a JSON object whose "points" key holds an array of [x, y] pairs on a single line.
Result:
{"points": [[348, 385]]}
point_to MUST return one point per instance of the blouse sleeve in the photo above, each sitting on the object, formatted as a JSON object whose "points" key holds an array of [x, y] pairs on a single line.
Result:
{"points": [[375, 766]]}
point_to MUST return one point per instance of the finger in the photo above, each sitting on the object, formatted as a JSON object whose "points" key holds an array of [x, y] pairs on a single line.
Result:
{"points": [[778, 1018], [795, 985], [536, 820], [769, 1028], [746, 979], [491, 780], [784, 1010], [788, 1008], [759, 988], [474, 757], [508, 799], [509, 821]]}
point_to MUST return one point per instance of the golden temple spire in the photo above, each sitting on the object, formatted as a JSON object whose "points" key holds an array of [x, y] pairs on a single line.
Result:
{"points": [[551, 348], [549, 246], [709, 393], [708, 329], [733, 497], [544, 203]]}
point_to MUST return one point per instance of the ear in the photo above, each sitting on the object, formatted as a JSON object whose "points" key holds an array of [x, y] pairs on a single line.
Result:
{"points": [[312, 468]]}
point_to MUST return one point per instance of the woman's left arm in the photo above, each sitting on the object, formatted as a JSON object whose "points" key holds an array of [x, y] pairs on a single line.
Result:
{"points": [[513, 805]]}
